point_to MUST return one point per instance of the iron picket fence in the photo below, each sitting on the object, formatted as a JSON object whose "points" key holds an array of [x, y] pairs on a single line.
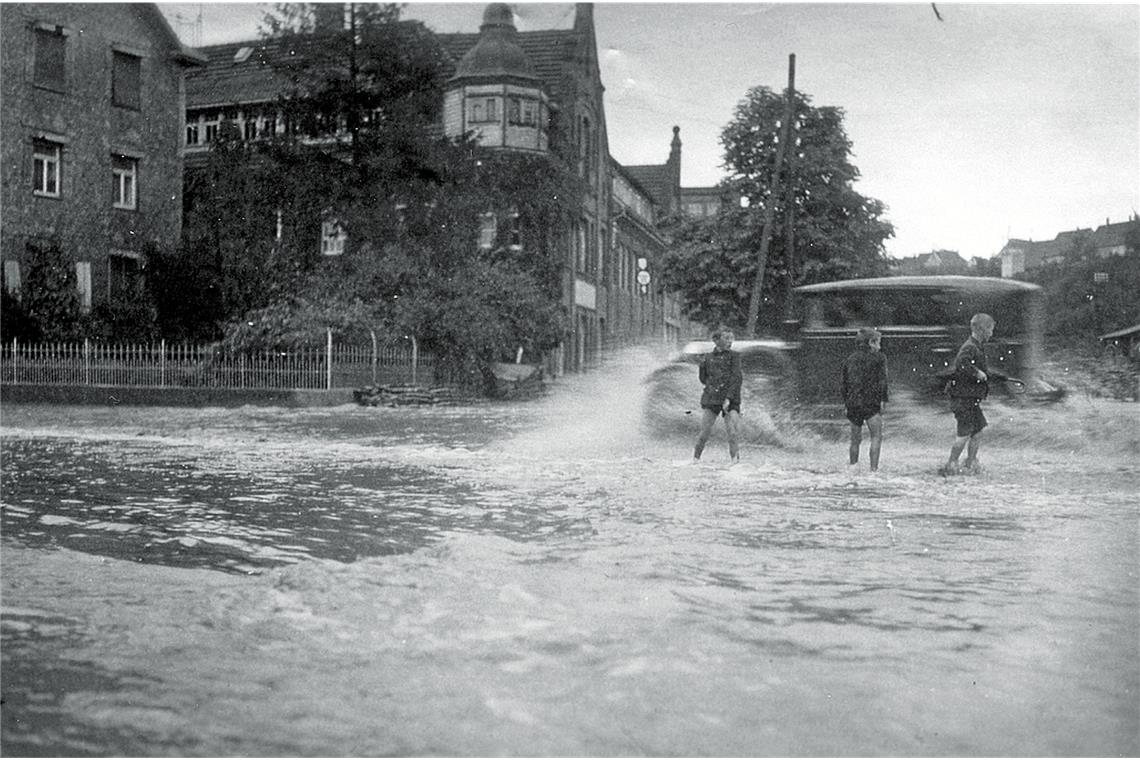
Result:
{"points": [[165, 365]]}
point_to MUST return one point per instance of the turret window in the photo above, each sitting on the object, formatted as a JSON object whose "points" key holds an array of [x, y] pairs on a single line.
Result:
{"points": [[522, 111], [483, 110]]}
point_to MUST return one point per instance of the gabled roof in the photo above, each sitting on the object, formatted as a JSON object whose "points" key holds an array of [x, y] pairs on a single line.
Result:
{"points": [[184, 54], [228, 78], [224, 80], [655, 179], [1110, 235]]}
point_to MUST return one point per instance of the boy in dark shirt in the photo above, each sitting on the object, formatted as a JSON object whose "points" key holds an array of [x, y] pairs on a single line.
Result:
{"points": [[967, 387], [864, 387], [722, 376]]}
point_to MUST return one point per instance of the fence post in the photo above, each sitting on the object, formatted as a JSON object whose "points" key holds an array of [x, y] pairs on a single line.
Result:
{"points": [[86, 361], [162, 364], [415, 358], [14, 350], [375, 357], [328, 358]]}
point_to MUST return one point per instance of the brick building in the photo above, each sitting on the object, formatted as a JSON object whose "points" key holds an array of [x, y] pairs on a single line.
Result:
{"points": [[505, 87], [91, 138]]}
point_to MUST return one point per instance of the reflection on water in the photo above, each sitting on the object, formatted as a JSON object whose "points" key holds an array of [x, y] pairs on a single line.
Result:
{"points": [[552, 579]]}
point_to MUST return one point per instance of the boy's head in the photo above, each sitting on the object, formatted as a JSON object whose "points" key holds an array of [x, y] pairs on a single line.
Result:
{"points": [[723, 338], [870, 337], [982, 326]]}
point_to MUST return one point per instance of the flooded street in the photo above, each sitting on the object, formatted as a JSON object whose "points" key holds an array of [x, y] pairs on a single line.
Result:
{"points": [[550, 578]]}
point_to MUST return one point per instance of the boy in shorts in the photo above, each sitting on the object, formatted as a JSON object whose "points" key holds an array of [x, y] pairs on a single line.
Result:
{"points": [[722, 376], [967, 387], [864, 386]]}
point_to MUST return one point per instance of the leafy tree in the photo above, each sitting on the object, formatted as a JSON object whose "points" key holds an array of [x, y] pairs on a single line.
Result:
{"points": [[837, 233], [363, 151], [982, 266], [1080, 306], [51, 297]]}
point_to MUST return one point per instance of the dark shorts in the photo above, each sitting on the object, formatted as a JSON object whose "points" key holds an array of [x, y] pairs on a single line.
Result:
{"points": [[860, 414], [968, 413], [733, 406]]}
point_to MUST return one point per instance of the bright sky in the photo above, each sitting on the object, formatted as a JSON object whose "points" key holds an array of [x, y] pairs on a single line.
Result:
{"points": [[1001, 120]]}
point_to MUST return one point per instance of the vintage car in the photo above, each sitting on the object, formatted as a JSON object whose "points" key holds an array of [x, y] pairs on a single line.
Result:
{"points": [[923, 321]]}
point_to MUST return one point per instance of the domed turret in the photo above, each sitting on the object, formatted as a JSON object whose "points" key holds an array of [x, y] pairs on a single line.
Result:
{"points": [[495, 93], [497, 53]]}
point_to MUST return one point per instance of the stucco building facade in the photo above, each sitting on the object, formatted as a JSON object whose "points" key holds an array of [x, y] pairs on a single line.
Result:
{"points": [[91, 135]]}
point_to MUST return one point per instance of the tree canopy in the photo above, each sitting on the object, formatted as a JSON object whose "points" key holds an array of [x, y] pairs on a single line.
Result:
{"points": [[366, 157], [824, 229]]}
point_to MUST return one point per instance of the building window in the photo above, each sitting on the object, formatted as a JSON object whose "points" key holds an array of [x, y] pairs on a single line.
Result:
{"points": [[46, 168], [212, 128], [12, 282], [125, 275], [83, 284], [49, 69], [192, 132], [483, 110], [514, 231], [126, 80], [333, 237], [488, 231], [250, 128], [522, 112], [269, 126], [124, 173]]}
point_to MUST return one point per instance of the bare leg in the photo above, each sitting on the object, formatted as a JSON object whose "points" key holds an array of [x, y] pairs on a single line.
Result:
{"points": [[732, 424], [875, 425], [708, 417], [856, 441], [972, 449], [956, 450]]}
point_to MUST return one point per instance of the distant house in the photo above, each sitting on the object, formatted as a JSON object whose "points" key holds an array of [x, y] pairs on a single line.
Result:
{"points": [[932, 263], [91, 139], [1110, 239]]}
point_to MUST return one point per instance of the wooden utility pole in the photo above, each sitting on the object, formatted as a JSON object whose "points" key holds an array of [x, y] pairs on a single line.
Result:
{"points": [[773, 196]]}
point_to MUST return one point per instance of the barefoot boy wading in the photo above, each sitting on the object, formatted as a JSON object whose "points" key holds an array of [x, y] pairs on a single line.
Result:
{"points": [[968, 385], [864, 393], [722, 377]]}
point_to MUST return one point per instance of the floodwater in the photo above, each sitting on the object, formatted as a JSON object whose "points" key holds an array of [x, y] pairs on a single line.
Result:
{"points": [[550, 578]]}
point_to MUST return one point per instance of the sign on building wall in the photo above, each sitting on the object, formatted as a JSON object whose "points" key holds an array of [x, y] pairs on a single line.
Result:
{"points": [[585, 295]]}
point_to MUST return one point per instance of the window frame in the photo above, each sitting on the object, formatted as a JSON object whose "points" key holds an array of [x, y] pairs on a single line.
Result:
{"points": [[125, 178], [334, 237], [124, 273], [488, 230], [124, 92], [51, 165], [43, 33]]}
